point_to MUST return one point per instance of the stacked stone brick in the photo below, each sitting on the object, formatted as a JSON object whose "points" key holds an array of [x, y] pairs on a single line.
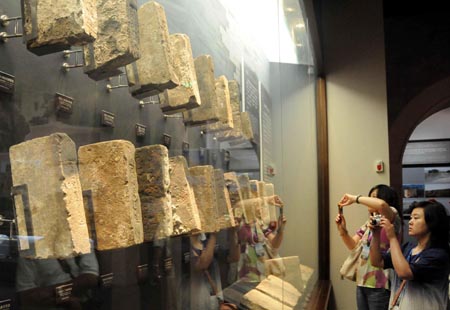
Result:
{"points": [[108, 173], [51, 220]]}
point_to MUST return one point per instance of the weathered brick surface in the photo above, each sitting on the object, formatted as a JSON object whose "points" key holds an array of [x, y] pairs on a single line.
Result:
{"points": [[208, 112], [249, 208], [269, 190], [256, 193], [51, 26], [246, 126], [48, 167], [117, 43], [152, 166], [153, 72], [265, 205], [108, 170], [186, 218], [186, 95], [235, 96], [234, 191], [233, 134], [223, 101], [202, 181], [244, 183], [242, 129], [225, 213]]}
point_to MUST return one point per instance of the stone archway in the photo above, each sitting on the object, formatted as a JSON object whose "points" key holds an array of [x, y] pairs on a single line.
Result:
{"points": [[426, 103]]}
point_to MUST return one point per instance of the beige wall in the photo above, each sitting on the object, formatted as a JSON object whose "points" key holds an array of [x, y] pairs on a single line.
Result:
{"points": [[358, 131], [295, 157]]}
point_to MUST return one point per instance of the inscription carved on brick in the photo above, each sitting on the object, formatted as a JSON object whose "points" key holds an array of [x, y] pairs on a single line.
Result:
{"points": [[117, 42], [225, 213], [202, 181], [108, 171], [153, 72], [152, 165], [186, 95], [51, 26], [186, 218], [208, 112], [54, 215]]}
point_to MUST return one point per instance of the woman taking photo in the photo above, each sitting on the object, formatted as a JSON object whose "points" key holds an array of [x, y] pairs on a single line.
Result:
{"points": [[372, 291], [422, 269]]}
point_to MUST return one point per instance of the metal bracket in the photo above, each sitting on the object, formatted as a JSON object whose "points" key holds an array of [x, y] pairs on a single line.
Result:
{"points": [[66, 54], [22, 190], [151, 100], [11, 224], [166, 116], [4, 21], [110, 87]]}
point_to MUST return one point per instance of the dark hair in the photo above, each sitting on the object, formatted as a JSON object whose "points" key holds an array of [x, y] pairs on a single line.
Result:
{"points": [[437, 222], [389, 195]]}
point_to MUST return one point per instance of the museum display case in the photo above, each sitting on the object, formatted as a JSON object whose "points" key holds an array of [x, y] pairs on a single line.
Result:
{"points": [[141, 147]]}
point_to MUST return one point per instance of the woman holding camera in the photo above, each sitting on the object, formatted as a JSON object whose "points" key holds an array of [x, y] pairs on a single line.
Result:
{"points": [[372, 292], [422, 269]]}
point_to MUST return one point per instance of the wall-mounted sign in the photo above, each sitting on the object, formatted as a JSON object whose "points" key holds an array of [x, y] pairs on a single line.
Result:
{"points": [[7, 82], [107, 119], [427, 152], [185, 147], [63, 104], [166, 140], [63, 292], [106, 280], [5, 304], [140, 130], [142, 273]]}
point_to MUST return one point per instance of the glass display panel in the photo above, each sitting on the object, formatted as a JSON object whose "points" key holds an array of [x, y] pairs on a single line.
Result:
{"points": [[150, 152]]}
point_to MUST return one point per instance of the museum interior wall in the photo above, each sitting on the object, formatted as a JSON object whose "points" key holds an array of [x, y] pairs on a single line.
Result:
{"points": [[97, 158], [353, 47]]}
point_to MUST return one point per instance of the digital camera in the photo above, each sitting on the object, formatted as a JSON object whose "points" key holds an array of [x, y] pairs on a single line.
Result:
{"points": [[376, 220]]}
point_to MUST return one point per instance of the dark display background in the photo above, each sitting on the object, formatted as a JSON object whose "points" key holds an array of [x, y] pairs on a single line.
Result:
{"points": [[30, 112]]}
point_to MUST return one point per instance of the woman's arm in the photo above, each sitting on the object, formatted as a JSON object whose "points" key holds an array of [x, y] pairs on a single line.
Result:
{"points": [[234, 253], [277, 239], [375, 252], [349, 241], [401, 265], [207, 254], [379, 205]]}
